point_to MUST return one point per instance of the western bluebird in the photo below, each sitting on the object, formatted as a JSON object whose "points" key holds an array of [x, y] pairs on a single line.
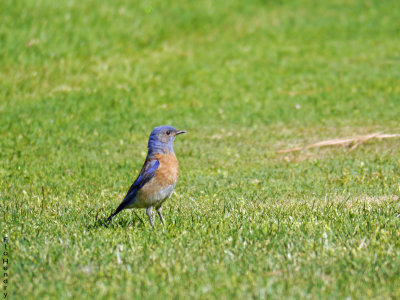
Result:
{"points": [[158, 177]]}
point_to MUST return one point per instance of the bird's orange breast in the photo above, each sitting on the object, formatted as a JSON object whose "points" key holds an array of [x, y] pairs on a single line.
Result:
{"points": [[168, 171]]}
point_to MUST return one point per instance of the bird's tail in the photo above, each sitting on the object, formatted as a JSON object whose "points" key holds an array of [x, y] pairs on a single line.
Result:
{"points": [[113, 214], [110, 217], [127, 200], [120, 207]]}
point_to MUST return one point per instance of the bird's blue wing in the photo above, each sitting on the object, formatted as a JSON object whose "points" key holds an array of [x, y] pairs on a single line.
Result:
{"points": [[146, 174]]}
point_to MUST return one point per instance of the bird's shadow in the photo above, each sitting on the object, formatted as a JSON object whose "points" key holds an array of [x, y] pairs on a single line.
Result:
{"points": [[102, 222]]}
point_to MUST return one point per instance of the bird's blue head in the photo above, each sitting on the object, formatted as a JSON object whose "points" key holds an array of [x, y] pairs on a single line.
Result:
{"points": [[162, 138]]}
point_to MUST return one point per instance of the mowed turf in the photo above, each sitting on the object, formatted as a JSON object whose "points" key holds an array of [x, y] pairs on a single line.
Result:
{"points": [[83, 83]]}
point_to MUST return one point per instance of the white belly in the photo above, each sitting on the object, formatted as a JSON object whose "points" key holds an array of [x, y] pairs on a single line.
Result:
{"points": [[154, 198]]}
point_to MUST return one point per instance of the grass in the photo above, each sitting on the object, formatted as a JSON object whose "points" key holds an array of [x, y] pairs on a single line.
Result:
{"points": [[82, 83]]}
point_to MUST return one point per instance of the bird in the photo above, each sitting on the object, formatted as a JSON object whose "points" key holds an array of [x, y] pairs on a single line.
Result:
{"points": [[158, 176]]}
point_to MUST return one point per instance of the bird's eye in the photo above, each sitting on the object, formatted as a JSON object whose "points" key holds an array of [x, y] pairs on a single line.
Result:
{"points": [[168, 132]]}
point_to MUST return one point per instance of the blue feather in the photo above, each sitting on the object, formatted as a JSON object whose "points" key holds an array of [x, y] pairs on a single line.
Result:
{"points": [[146, 174]]}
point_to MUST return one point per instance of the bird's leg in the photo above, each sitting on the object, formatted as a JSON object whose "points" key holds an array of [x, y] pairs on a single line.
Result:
{"points": [[149, 212], [159, 209]]}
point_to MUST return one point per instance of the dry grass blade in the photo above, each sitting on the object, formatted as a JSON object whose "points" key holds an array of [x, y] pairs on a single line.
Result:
{"points": [[356, 141]]}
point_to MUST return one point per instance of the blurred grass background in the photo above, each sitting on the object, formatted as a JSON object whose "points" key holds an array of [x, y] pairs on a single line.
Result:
{"points": [[82, 84]]}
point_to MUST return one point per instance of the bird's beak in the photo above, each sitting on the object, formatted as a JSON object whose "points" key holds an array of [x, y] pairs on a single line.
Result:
{"points": [[180, 132]]}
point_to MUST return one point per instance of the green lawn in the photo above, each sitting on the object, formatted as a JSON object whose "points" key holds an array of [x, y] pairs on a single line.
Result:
{"points": [[83, 83]]}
